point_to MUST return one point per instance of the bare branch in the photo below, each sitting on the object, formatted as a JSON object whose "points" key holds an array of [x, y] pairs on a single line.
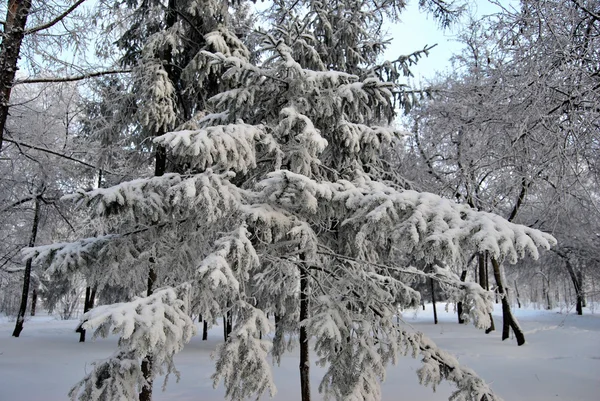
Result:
{"points": [[56, 20], [57, 154], [20, 202], [69, 79], [592, 14]]}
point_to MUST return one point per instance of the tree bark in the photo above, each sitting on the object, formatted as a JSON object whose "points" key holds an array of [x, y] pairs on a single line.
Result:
{"points": [[304, 349], [147, 362], [27, 273], [204, 330], [508, 320], [582, 288], [435, 319], [88, 303], [34, 297], [576, 285], [10, 49]]}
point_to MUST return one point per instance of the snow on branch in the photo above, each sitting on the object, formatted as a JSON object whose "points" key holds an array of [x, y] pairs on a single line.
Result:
{"points": [[228, 147], [140, 197], [357, 339], [242, 360], [424, 225], [439, 365], [157, 325], [67, 255], [223, 41], [295, 192], [158, 108], [356, 138], [227, 269], [157, 198], [118, 377], [307, 142]]}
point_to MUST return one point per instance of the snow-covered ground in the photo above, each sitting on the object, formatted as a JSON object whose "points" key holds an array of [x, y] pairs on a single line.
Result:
{"points": [[561, 360]]}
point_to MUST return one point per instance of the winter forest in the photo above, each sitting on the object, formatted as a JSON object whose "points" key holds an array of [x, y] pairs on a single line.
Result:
{"points": [[253, 196]]}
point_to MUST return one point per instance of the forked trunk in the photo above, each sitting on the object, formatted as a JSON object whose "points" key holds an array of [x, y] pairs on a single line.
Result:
{"points": [[508, 320], [576, 284]]}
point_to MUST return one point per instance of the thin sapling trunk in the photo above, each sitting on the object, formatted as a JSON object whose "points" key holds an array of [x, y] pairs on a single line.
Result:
{"points": [[27, 273]]}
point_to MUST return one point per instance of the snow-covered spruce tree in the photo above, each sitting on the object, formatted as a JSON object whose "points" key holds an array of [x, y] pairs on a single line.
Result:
{"points": [[279, 211]]}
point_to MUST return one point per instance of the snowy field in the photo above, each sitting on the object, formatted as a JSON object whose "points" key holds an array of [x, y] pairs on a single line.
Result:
{"points": [[561, 360]]}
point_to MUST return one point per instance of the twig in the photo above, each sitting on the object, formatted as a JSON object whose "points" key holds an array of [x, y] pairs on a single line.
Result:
{"points": [[53, 22], [57, 154]]}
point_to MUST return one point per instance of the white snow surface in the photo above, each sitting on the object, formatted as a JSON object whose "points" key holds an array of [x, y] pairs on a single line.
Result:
{"points": [[560, 361]]}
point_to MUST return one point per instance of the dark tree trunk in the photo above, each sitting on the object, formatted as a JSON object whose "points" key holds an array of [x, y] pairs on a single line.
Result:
{"points": [[508, 320], [160, 167], [487, 273], [435, 319], [483, 282], [147, 362], [304, 349], [582, 289], [546, 286], [10, 49], [482, 270], [576, 284], [88, 304], [27, 273], [34, 297], [229, 323], [459, 306]]}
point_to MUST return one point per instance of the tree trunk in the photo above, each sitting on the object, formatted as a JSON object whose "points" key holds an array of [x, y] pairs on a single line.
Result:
{"points": [[27, 273], [547, 291], [482, 270], [508, 320], [34, 297], [582, 288], [147, 362], [229, 323], [204, 328], [435, 319], [483, 282], [459, 307], [10, 49], [88, 303], [304, 350], [576, 285]]}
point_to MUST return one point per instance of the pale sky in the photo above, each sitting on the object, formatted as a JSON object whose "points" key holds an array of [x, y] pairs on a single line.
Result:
{"points": [[417, 29]]}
